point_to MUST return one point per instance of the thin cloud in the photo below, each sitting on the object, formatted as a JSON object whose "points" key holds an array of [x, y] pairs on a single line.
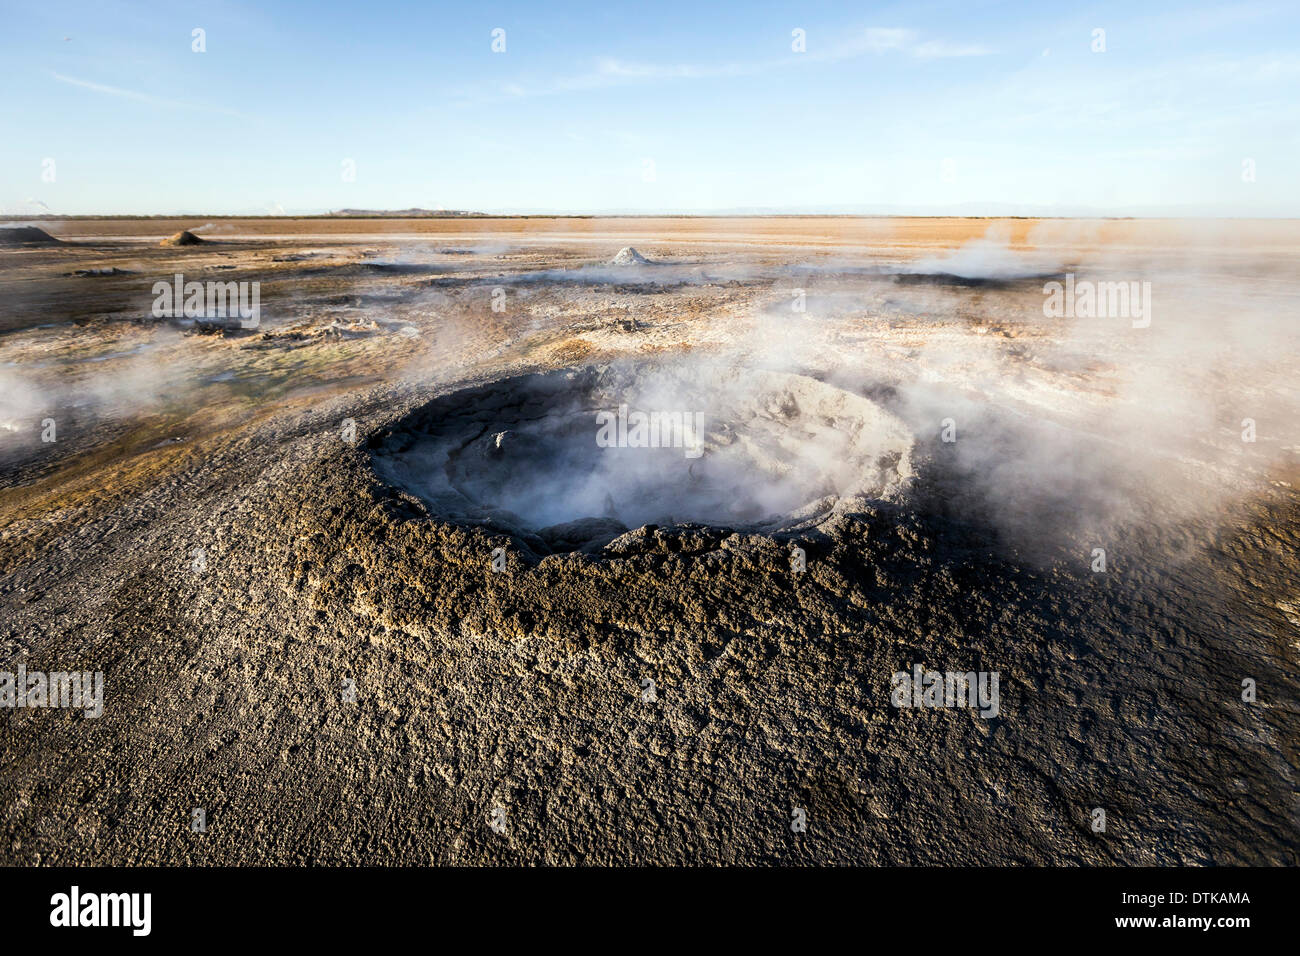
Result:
{"points": [[139, 97], [610, 71], [896, 40], [884, 39], [932, 49]]}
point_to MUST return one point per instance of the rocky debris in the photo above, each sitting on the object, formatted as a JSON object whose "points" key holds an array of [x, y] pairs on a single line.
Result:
{"points": [[96, 273], [298, 256], [315, 332]]}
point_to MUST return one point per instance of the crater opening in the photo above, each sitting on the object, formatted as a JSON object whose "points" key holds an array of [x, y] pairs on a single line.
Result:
{"points": [[577, 457]]}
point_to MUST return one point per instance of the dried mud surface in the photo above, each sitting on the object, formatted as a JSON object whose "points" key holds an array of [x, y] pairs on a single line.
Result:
{"points": [[524, 689]]}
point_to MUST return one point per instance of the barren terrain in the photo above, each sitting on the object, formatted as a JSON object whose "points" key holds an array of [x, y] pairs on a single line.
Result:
{"points": [[365, 587]]}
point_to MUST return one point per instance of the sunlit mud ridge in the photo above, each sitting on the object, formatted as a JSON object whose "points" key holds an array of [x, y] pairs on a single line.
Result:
{"points": [[583, 455]]}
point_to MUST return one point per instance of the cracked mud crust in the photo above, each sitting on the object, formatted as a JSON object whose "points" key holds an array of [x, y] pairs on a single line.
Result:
{"points": [[524, 689], [346, 678]]}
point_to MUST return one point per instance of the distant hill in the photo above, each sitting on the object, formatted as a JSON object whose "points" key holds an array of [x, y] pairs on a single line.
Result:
{"points": [[406, 213]]}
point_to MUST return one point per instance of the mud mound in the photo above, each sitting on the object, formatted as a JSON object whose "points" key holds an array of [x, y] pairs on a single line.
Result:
{"points": [[627, 256], [184, 238], [577, 457], [27, 236]]}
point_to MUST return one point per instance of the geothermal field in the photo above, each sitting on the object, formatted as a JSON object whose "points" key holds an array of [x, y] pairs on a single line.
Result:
{"points": [[650, 541]]}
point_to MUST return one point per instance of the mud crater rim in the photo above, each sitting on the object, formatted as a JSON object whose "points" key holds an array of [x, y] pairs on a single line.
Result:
{"points": [[575, 458]]}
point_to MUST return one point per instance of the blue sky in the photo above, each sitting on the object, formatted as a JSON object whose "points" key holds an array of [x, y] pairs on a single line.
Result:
{"points": [[922, 107]]}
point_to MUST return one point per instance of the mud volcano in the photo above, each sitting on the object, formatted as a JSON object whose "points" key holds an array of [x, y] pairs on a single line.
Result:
{"points": [[572, 459], [184, 238], [628, 256], [27, 236]]}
